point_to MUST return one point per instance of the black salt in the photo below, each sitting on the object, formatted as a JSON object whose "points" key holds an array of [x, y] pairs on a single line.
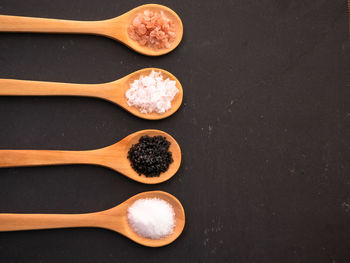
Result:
{"points": [[150, 156]]}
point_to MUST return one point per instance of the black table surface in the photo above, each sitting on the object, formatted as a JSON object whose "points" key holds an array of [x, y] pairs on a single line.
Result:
{"points": [[264, 130]]}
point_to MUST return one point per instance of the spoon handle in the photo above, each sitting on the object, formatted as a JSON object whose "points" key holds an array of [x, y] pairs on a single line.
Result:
{"points": [[47, 25], [15, 222], [14, 87], [15, 158]]}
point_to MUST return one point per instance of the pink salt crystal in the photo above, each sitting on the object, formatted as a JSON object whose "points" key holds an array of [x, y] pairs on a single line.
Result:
{"points": [[152, 29]]}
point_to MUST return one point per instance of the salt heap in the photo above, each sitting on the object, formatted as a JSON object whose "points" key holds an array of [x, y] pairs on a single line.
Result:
{"points": [[152, 93], [152, 29], [151, 218]]}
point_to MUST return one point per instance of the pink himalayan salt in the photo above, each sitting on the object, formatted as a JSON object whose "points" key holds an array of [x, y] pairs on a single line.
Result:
{"points": [[152, 29]]}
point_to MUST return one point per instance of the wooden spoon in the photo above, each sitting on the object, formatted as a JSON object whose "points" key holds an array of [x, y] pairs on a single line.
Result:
{"points": [[112, 91], [114, 219], [115, 28], [113, 157]]}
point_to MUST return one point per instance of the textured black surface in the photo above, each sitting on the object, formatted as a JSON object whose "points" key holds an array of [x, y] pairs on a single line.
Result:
{"points": [[150, 156], [264, 130]]}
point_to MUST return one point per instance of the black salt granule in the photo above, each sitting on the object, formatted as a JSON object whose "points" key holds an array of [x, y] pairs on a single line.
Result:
{"points": [[150, 156]]}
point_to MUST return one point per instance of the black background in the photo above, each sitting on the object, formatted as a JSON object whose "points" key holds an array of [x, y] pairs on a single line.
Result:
{"points": [[264, 130]]}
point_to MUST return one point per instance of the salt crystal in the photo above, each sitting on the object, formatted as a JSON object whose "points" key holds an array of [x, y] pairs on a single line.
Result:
{"points": [[152, 93], [151, 218], [152, 29]]}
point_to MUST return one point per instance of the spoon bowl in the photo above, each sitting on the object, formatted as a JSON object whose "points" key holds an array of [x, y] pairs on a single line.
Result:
{"points": [[112, 91], [127, 19], [114, 28], [125, 82], [122, 148], [115, 219], [113, 157], [126, 230]]}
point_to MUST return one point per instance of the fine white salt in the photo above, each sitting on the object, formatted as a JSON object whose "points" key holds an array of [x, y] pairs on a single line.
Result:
{"points": [[152, 93], [151, 218]]}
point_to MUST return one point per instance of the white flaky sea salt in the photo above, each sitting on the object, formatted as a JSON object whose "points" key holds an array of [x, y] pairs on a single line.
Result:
{"points": [[151, 218], [152, 93]]}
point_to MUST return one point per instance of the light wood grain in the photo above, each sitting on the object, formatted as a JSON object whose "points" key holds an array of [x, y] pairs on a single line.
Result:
{"points": [[115, 28], [112, 91], [114, 219], [113, 157]]}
